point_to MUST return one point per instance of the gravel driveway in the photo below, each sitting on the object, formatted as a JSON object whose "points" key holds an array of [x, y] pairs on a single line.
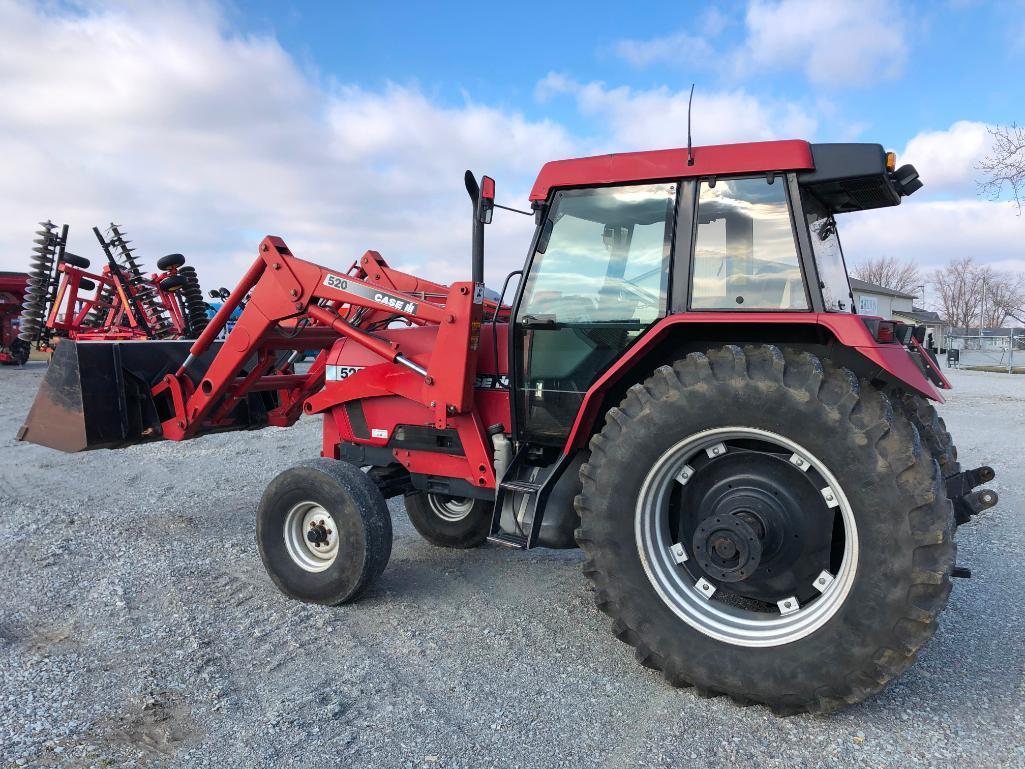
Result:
{"points": [[138, 628]]}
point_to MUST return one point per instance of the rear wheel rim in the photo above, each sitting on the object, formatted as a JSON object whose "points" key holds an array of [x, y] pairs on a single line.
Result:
{"points": [[694, 600], [451, 509], [311, 536]]}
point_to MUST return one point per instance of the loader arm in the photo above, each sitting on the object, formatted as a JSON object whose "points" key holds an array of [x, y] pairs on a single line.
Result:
{"points": [[283, 287], [111, 394]]}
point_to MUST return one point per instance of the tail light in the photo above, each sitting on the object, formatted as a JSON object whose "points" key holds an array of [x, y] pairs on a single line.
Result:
{"points": [[890, 331]]}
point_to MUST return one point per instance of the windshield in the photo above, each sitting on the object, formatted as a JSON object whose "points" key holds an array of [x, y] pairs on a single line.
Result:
{"points": [[825, 243], [604, 257]]}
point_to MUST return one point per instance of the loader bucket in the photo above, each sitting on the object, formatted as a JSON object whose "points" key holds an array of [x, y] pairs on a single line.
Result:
{"points": [[96, 395]]}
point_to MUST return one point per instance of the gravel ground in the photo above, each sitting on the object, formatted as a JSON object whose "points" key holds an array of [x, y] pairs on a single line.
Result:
{"points": [[138, 628]]}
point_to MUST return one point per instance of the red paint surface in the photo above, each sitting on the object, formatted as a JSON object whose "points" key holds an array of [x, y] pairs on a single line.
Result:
{"points": [[722, 159], [849, 331]]}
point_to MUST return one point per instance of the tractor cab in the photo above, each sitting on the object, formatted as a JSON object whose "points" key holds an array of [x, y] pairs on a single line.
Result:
{"points": [[738, 232]]}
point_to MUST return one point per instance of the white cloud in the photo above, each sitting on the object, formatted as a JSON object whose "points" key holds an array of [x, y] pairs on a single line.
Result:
{"points": [[934, 232], [202, 142], [657, 118], [684, 48], [839, 42], [947, 160], [680, 48]]}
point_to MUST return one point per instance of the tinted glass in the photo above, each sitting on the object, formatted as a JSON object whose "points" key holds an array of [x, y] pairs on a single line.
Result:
{"points": [[745, 256]]}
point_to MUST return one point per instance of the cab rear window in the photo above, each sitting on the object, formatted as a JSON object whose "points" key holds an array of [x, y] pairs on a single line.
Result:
{"points": [[745, 254]]}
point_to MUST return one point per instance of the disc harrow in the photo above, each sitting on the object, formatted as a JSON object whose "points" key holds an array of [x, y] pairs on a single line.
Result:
{"points": [[120, 301]]}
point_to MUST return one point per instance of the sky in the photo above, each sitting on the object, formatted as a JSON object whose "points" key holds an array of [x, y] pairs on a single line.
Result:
{"points": [[203, 126]]}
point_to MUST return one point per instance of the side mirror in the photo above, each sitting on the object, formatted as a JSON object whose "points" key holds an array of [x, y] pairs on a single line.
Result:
{"points": [[486, 207], [224, 293], [214, 293]]}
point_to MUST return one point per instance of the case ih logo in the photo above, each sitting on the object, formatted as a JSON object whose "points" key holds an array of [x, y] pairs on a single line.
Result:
{"points": [[398, 303], [491, 382], [395, 302]]}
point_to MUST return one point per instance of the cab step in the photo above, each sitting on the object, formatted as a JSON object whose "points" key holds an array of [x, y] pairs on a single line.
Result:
{"points": [[533, 490], [505, 539]]}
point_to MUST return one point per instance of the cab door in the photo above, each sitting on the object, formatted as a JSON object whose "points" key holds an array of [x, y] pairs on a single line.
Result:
{"points": [[598, 278]]}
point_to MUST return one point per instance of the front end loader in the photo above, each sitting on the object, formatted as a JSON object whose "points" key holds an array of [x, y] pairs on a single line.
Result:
{"points": [[679, 384]]}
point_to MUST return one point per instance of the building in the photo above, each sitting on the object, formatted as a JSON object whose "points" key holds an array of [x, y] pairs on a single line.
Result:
{"points": [[871, 299]]}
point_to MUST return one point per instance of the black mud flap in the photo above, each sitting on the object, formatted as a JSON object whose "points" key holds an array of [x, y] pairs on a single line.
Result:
{"points": [[96, 395]]}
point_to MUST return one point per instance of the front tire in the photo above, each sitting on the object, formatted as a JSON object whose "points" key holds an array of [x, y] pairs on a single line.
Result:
{"points": [[446, 521], [808, 455], [323, 531]]}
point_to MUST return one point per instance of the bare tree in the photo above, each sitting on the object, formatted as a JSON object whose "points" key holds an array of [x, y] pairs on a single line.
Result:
{"points": [[1004, 166], [970, 295], [888, 271], [1004, 297], [958, 290]]}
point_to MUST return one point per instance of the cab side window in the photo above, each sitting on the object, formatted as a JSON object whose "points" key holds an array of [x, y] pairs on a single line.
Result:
{"points": [[745, 253]]}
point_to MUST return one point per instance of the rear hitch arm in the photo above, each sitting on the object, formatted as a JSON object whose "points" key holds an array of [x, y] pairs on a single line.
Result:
{"points": [[969, 503]]}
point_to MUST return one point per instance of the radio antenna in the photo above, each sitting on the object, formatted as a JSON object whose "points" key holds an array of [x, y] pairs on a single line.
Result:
{"points": [[690, 147]]}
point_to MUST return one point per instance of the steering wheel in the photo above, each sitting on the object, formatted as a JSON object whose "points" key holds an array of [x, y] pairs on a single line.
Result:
{"points": [[641, 293]]}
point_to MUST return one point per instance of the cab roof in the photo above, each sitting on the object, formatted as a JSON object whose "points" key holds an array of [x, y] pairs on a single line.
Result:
{"points": [[714, 160]]}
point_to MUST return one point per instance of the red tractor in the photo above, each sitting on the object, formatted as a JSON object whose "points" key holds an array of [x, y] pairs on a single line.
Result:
{"points": [[680, 385], [13, 351]]}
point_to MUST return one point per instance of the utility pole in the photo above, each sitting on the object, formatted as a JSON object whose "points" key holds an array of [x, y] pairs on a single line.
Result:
{"points": [[982, 314], [1010, 354]]}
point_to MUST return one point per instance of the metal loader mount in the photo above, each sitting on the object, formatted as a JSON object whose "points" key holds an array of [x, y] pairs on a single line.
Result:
{"points": [[680, 384]]}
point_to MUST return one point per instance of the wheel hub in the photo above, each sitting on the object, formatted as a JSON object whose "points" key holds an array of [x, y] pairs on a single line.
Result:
{"points": [[727, 548], [757, 521], [318, 533]]}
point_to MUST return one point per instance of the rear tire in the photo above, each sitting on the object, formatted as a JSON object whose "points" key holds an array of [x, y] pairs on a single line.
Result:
{"points": [[448, 521], [933, 430], [891, 495], [341, 506]]}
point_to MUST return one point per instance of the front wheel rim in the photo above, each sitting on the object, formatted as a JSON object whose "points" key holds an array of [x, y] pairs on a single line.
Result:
{"points": [[311, 536], [695, 601], [450, 509]]}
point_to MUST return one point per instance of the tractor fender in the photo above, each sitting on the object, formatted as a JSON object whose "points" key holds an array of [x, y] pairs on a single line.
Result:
{"points": [[890, 361]]}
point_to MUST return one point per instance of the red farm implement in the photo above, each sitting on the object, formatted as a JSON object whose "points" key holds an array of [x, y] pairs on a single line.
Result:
{"points": [[13, 351], [679, 384], [68, 299]]}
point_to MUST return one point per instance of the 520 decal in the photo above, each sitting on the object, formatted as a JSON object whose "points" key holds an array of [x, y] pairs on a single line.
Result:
{"points": [[338, 373], [391, 301]]}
